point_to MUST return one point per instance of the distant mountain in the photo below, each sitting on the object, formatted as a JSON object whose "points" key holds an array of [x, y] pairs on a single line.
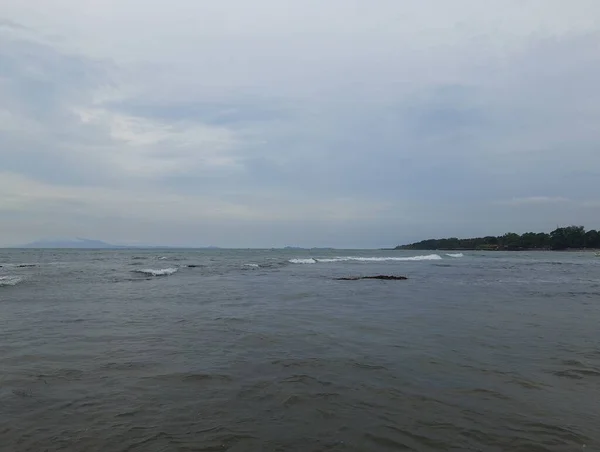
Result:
{"points": [[70, 243], [80, 243]]}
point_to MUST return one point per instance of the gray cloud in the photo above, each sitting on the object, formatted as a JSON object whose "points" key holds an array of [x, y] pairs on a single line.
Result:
{"points": [[309, 124]]}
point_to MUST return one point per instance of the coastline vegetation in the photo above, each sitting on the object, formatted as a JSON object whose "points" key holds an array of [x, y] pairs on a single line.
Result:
{"points": [[565, 238]]}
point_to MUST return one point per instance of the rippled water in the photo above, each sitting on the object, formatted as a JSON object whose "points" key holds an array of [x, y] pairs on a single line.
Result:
{"points": [[248, 351]]}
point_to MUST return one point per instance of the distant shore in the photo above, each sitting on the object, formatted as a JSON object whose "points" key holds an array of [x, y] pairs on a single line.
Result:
{"points": [[570, 238]]}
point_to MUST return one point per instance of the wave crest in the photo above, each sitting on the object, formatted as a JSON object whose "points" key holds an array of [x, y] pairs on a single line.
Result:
{"points": [[428, 257], [10, 280], [455, 255], [302, 261], [159, 272]]}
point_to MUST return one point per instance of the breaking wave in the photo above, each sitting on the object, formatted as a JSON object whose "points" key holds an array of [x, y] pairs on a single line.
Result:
{"points": [[455, 255], [160, 272], [10, 280], [251, 265], [429, 257], [302, 261]]}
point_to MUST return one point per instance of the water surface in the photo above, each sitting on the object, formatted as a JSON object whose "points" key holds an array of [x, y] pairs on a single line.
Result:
{"points": [[179, 350]]}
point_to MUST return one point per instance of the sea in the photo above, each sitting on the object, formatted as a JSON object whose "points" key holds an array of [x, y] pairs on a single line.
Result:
{"points": [[265, 350]]}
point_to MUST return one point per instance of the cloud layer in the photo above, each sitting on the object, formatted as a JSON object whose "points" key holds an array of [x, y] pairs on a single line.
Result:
{"points": [[296, 123]]}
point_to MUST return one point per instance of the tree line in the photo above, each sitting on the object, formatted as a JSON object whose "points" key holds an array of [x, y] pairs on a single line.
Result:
{"points": [[570, 237]]}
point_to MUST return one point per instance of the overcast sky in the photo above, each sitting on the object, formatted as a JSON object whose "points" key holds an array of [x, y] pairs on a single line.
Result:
{"points": [[347, 123]]}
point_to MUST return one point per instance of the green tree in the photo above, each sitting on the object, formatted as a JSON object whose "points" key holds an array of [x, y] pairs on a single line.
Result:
{"points": [[490, 240], [559, 239], [569, 237], [511, 240], [592, 239], [542, 240], [528, 240]]}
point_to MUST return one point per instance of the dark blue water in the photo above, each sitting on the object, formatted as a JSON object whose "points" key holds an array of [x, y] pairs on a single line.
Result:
{"points": [[247, 351]]}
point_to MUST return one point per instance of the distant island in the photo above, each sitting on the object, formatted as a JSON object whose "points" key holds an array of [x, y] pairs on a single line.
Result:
{"points": [[70, 243], [570, 237], [81, 243]]}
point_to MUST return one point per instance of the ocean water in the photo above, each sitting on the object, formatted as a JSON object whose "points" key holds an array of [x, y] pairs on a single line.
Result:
{"points": [[175, 350]]}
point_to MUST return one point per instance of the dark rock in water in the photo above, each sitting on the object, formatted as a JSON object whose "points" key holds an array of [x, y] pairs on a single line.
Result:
{"points": [[382, 277]]}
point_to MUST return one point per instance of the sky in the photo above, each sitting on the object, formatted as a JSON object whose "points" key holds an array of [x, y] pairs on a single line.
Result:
{"points": [[344, 123]]}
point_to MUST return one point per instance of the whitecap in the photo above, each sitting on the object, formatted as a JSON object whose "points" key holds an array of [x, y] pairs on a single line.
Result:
{"points": [[303, 261], [10, 280], [160, 272], [455, 255], [251, 265], [428, 257]]}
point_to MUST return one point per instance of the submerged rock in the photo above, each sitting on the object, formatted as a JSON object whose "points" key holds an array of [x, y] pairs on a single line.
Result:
{"points": [[382, 277]]}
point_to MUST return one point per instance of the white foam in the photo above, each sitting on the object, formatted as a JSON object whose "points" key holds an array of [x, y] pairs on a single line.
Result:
{"points": [[251, 265], [303, 261], [429, 257], [162, 258], [160, 272], [455, 255], [10, 280]]}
